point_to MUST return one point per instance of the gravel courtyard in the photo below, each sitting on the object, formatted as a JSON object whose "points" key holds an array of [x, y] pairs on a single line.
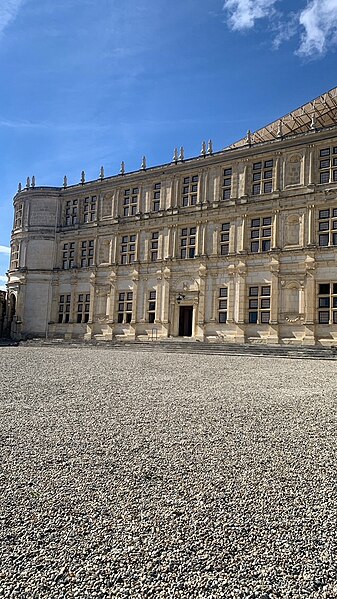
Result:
{"points": [[143, 475]]}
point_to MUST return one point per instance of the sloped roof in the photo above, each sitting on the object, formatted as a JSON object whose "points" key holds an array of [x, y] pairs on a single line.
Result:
{"points": [[319, 113]]}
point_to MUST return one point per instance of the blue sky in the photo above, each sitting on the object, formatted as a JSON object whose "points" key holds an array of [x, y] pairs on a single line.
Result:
{"points": [[88, 83]]}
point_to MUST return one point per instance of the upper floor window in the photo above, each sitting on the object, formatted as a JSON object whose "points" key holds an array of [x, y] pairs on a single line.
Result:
{"points": [[90, 209], [68, 255], [259, 304], [18, 216], [222, 304], [187, 242], [64, 308], [124, 313], [83, 307], [260, 234], [224, 239], [130, 201], [190, 190], [71, 216], [128, 249], [327, 227], [152, 306], [154, 246], [263, 177], [156, 197], [227, 184], [87, 253], [327, 303], [328, 165], [15, 256]]}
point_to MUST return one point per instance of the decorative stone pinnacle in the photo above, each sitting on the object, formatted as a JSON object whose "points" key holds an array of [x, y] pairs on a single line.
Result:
{"points": [[33, 181], [28, 183], [82, 177], [65, 181], [182, 154], [249, 138], [143, 166], [101, 173], [122, 169], [313, 122], [210, 147], [203, 149], [20, 187], [175, 155]]}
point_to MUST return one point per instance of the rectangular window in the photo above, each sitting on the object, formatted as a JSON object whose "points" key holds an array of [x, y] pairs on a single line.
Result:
{"points": [[128, 249], [64, 308], [187, 242], [154, 246], [87, 253], [327, 227], [224, 239], [18, 216], [68, 255], [90, 209], [262, 177], [327, 165], [190, 190], [227, 184], [327, 303], [15, 256], [130, 201], [259, 304], [152, 306], [71, 214], [222, 304], [156, 197], [260, 234], [124, 312], [83, 307]]}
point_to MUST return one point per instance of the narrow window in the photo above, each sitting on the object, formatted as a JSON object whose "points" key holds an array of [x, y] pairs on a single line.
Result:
{"points": [[154, 246], [68, 255], [130, 201], [190, 190], [124, 309], [152, 306], [64, 309], [227, 184], [222, 304], [259, 304], [187, 242], [260, 234], [224, 239], [128, 249], [90, 209], [83, 307]]}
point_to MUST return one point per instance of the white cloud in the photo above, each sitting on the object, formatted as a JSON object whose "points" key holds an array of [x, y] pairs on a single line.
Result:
{"points": [[5, 250], [319, 20], [3, 279], [8, 11], [244, 13]]}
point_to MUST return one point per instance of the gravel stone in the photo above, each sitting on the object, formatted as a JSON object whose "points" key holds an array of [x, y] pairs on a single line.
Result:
{"points": [[162, 476]]}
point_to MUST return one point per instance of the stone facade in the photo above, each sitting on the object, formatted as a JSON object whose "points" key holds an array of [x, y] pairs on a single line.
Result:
{"points": [[238, 245]]}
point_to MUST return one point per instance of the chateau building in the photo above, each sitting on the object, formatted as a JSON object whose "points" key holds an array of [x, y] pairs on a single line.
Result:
{"points": [[238, 245]]}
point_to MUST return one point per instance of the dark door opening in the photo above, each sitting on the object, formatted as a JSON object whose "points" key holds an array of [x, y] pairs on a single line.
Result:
{"points": [[185, 321]]}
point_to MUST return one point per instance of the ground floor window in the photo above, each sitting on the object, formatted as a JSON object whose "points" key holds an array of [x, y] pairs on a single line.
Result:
{"points": [[64, 308], [152, 306], [327, 303], [125, 307], [83, 307], [259, 304], [222, 304]]}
